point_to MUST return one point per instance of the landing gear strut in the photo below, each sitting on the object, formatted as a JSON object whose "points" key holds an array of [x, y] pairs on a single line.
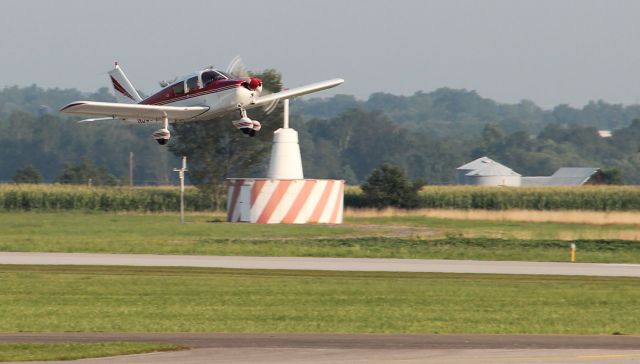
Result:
{"points": [[163, 135]]}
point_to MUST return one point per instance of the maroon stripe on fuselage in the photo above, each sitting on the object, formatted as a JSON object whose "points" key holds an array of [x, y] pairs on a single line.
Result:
{"points": [[166, 95], [196, 94]]}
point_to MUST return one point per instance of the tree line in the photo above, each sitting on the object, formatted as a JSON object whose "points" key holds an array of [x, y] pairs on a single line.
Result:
{"points": [[456, 112], [427, 135]]}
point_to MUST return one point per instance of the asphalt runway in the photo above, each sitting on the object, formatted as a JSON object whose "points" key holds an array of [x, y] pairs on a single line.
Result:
{"points": [[329, 264], [360, 348]]}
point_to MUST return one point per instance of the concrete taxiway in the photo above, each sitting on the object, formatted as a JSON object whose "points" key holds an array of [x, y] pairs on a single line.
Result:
{"points": [[360, 348], [360, 356], [328, 264]]}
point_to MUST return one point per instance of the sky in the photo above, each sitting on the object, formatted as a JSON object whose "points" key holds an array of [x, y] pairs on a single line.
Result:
{"points": [[548, 51]]}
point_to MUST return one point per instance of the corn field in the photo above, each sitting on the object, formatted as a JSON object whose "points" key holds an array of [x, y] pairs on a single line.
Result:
{"points": [[55, 197], [595, 198]]}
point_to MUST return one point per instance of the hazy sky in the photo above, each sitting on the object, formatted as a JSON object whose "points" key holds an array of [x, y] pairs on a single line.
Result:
{"points": [[548, 51]]}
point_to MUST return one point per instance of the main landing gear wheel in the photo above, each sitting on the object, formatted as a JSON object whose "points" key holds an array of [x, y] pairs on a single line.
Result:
{"points": [[247, 126], [162, 141], [248, 131]]}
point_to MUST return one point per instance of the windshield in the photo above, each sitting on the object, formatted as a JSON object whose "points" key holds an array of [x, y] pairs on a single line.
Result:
{"points": [[210, 76], [226, 74]]}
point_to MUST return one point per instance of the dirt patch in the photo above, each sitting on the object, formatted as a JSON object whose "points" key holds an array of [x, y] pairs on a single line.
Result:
{"points": [[400, 231]]}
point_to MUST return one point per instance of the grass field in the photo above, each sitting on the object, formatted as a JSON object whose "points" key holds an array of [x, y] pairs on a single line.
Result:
{"points": [[410, 236], [121, 299], [507, 229], [74, 351]]}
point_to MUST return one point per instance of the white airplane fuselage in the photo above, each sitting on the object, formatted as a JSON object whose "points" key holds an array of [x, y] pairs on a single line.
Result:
{"points": [[219, 101]]}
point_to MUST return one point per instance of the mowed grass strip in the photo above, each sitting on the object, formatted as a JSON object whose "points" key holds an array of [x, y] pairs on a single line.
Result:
{"points": [[122, 299], [372, 237], [74, 351], [140, 233]]}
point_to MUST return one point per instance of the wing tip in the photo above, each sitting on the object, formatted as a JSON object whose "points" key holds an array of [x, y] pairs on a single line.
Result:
{"points": [[335, 81], [73, 104]]}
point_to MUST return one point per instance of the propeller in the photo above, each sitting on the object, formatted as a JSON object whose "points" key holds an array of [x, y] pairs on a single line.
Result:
{"points": [[268, 108], [238, 69]]}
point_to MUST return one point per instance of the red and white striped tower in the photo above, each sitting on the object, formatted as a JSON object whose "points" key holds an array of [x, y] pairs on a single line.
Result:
{"points": [[285, 196]]}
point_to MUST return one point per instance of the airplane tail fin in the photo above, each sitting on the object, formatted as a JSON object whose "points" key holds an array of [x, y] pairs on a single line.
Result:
{"points": [[125, 92]]}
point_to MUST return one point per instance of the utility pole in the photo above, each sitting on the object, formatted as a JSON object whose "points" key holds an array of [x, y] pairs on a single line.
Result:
{"points": [[130, 168], [181, 176]]}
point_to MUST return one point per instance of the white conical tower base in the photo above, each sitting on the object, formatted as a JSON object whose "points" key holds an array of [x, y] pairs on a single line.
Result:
{"points": [[286, 162]]}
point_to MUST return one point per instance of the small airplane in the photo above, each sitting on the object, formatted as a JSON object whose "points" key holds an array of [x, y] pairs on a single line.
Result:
{"points": [[200, 96]]}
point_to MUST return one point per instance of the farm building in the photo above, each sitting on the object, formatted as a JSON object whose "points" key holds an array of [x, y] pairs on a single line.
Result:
{"points": [[566, 176], [486, 172]]}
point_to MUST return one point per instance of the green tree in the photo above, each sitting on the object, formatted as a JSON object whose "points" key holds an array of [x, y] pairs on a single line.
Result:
{"points": [[389, 186], [612, 176], [27, 174], [492, 135], [86, 172]]}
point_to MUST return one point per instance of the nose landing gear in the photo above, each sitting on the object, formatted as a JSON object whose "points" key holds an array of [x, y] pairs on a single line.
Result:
{"points": [[245, 125]]}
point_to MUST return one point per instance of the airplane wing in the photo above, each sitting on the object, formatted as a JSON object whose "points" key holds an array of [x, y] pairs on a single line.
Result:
{"points": [[133, 111], [298, 91]]}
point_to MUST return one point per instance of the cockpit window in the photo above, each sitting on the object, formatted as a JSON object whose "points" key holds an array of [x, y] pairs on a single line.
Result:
{"points": [[192, 83], [210, 76], [178, 88]]}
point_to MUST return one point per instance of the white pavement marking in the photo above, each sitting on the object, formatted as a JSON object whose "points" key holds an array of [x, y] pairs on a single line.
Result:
{"points": [[327, 264]]}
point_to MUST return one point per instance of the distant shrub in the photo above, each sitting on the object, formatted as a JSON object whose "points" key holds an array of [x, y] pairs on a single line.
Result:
{"points": [[27, 174], [389, 186], [86, 172]]}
